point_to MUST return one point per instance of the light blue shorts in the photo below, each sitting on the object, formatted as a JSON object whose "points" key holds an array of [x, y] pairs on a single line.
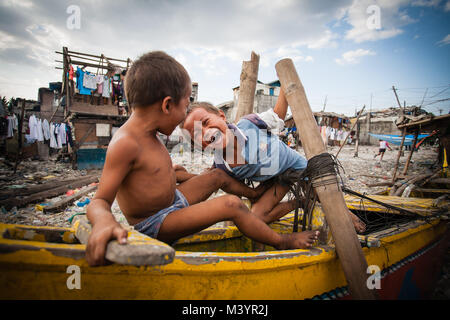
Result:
{"points": [[151, 225]]}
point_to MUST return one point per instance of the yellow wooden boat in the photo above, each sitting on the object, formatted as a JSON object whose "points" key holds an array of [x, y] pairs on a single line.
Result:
{"points": [[220, 263]]}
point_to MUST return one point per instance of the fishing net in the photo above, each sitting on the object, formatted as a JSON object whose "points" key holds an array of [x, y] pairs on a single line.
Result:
{"points": [[325, 169]]}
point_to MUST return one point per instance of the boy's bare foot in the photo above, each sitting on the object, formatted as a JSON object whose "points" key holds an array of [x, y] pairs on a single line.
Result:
{"points": [[359, 225], [299, 240]]}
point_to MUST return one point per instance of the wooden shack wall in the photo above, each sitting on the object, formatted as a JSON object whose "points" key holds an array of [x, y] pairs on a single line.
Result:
{"points": [[47, 108]]}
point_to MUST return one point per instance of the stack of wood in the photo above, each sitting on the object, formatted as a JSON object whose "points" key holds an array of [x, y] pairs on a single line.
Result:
{"points": [[37, 193], [404, 187]]}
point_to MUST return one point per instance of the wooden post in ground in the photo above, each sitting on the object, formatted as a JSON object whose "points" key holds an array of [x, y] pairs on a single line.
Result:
{"points": [[249, 77], [20, 136], [346, 137], [402, 112], [405, 170], [348, 247], [66, 79], [358, 129], [398, 155]]}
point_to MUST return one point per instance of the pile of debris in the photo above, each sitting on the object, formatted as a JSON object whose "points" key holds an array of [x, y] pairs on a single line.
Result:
{"points": [[51, 193]]}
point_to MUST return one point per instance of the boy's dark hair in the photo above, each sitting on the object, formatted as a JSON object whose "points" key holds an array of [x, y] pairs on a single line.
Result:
{"points": [[154, 76], [200, 104]]}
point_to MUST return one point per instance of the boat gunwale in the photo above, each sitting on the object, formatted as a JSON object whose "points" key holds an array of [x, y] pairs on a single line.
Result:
{"points": [[62, 249]]}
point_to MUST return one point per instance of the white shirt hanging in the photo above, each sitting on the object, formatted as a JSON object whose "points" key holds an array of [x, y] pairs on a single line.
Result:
{"points": [[32, 124], [46, 129], [53, 143]]}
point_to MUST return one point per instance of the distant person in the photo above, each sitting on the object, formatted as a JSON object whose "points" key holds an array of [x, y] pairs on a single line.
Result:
{"points": [[382, 149]]}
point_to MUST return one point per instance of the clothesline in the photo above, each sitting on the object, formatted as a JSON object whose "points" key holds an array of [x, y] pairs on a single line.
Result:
{"points": [[7, 126], [58, 134]]}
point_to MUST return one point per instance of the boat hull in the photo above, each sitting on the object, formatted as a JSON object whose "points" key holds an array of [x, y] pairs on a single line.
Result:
{"points": [[409, 259]]}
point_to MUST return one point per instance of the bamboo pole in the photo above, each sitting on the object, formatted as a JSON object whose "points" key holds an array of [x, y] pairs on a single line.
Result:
{"points": [[72, 53], [249, 77], [331, 198], [405, 170], [358, 129], [346, 138], [66, 79], [402, 112], [399, 155]]}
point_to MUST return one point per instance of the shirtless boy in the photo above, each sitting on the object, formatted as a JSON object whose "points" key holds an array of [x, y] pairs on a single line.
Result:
{"points": [[138, 172], [241, 153]]}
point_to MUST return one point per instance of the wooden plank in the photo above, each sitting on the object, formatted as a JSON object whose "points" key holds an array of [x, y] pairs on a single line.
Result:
{"points": [[418, 178], [95, 56], [380, 184], [424, 121], [104, 110], [88, 134], [60, 205], [38, 188], [331, 198], [140, 249], [249, 77], [20, 202]]}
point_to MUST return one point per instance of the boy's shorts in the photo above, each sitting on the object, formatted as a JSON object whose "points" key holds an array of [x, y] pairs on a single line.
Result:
{"points": [[381, 150], [151, 225]]}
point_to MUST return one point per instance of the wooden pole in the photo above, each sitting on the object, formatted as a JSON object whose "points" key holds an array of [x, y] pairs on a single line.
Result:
{"points": [[19, 136], [345, 141], [402, 111], [249, 77], [396, 96], [399, 155], [348, 247], [416, 134], [358, 129], [66, 79]]}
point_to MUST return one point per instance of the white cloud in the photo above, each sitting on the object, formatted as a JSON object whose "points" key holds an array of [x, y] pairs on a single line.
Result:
{"points": [[376, 20], [444, 41], [18, 3], [447, 6], [425, 3], [326, 40], [353, 57]]}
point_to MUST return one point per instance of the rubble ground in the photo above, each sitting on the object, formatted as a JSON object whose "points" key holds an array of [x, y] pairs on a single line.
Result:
{"points": [[357, 173]]}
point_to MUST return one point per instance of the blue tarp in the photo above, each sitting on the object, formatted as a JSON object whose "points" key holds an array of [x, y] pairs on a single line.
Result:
{"points": [[397, 140]]}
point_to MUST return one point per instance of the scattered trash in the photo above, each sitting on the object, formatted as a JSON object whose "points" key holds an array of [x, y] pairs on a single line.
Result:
{"points": [[74, 215], [40, 207], [83, 203]]}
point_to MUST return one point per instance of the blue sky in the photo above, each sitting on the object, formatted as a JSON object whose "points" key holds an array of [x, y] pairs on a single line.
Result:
{"points": [[336, 53]]}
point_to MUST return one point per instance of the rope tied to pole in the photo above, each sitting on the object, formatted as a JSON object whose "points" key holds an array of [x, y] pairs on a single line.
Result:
{"points": [[321, 170]]}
